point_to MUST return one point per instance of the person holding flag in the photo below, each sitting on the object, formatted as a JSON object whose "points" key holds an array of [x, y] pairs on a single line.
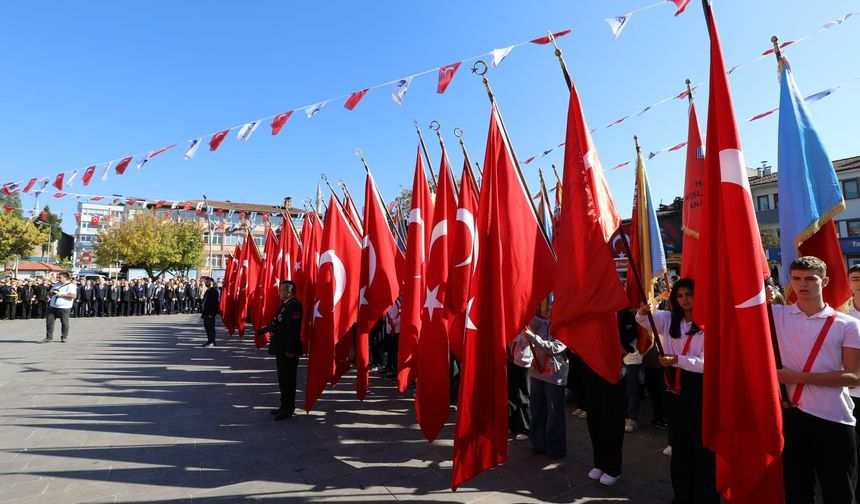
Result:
{"points": [[285, 344]]}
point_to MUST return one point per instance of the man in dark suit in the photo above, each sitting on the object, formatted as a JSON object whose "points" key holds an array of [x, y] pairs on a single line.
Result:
{"points": [[125, 295], [100, 295], [211, 307], [286, 345], [88, 298]]}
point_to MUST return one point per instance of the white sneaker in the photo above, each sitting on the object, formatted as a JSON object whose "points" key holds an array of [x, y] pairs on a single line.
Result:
{"points": [[607, 480], [595, 473], [667, 451], [583, 415], [630, 425], [577, 412], [521, 437]]}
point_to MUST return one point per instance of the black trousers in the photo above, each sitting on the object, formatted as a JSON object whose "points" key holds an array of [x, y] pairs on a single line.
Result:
{"points": [[287, 370], [656, 387], [576, 380], [10, 310], [111, 308], [815, 447], [100, 307], [53, 313], [26, 309], [693, 467], [519, 418], [209, 325], [607, 408], [376, 340]]}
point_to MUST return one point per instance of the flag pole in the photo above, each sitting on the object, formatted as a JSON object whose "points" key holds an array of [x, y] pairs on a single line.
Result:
{"points": [[333, 193], [483, 74], [557, 178], [426, 156], [459, 134], [376, 191], [436, 126], [689, 92]]}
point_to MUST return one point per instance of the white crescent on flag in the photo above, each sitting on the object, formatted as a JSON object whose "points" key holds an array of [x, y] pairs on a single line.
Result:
{"points": [[338, 274]]}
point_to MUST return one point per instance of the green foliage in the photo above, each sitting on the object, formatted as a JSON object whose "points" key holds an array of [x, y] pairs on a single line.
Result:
{"points": [[65, 263], [18, 236], [152, 243], [13, 201], [51, 223]]}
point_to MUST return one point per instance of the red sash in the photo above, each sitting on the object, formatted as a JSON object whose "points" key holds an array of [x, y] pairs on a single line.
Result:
{"points": [[676, 388], [813, 354]]}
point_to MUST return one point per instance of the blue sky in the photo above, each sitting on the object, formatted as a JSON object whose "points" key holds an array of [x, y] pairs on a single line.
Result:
{"points": [[94, 81]]}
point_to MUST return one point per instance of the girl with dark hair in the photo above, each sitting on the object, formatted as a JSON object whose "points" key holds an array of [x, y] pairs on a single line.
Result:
{"points": [[693, 468]]}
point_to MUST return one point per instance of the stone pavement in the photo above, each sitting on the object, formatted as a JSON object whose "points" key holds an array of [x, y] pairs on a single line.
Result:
{"points": [[133, 410]]}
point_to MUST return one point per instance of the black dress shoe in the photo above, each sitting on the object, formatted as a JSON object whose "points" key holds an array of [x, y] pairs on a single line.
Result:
{"points": [[275, 411], [283, 415]]}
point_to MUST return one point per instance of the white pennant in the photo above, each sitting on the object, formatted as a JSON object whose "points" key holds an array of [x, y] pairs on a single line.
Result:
{"points": [[174, 205], [107, 170], [500, 54], [400, 88], [617, 23], [71, 180], [247, 130], [193, 145], [313, 109]]}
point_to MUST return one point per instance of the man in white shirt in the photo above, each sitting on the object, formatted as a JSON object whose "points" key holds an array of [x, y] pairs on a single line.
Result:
{"points": [[63, 296], [854, 283], [820, 351]]}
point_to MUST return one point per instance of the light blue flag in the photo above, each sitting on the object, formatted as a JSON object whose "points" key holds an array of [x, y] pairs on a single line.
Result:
{"points": [[809, 192]]}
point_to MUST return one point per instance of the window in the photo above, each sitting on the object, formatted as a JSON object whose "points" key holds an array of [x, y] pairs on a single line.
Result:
{"points": [[853, 226], [763, 203], [850, 189], [775, 200]]}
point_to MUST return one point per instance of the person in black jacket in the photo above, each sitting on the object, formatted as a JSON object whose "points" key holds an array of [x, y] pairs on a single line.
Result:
{"points": [[100, 296], [125, 295], [286, 345], [210, 310], [113, 298]]}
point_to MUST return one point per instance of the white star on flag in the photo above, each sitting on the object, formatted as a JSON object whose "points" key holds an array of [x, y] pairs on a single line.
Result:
{"points": [[617, 23], [317, 310], [400, 88], [432, 301], [247, 130], [361, 299], [469, 323], [501, 54]]}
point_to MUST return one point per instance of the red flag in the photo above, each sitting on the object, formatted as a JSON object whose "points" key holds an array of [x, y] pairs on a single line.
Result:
{"points": [[59, 194], [43, 215], [225, 286], [279, 121], [335, 304], [122, 165], [88, 174], [446, 75], [433, 395], [462, 263], [78, 217], [417, 239], [289, 253], [228, 291], [692, 215], [266, 292], [94, 220], [354, 98], [250, 269], [379, 281], [742, 418], [130, 201], [352, 215], [30, 185], [216, 139], [187, 205], [160, 151], [58, 181], [514, 273], [545, 40], [681, 4], [312, 232], [585, 319]]}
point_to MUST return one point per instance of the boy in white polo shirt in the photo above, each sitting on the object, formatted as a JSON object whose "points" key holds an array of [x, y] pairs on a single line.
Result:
{"points": [[820, 351]]}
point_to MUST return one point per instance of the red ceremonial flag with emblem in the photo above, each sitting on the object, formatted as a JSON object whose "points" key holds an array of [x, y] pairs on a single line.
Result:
{"points": [[446, 75], [354, 98], [433, 395], [462, 262], [58, 181], [88, 174], [279, 121], [691, 218], [216, 139], [335, 304], [248, 282], [417, 238], [514, 273], [379, 280], [741, 413], [122, 165], [228, 291], [307, 268], [353, 215], [266, 291], [585, 318]]}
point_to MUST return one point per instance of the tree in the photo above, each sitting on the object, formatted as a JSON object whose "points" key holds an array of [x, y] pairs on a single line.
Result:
{"points": [[18, 236], [52, 224], [13, 202], [152, 243]]}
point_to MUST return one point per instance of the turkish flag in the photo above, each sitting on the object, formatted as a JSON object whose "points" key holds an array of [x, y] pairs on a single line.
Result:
{"points": [[681, 5], [417, 238], [462, 261], [379, 280], [742, 418], [58, 181], [228, 289], [88, 174], [352, 215], [187, 205], [216, 139], [307, 269], [545, 40], [354, 98], [335, 305], [433, 395], [446, 75], [514, 273], [266, 291], [691, 218], [94, 220], [30, 185], [279, 121], [250, 269], [122, 165], [585, 318]]}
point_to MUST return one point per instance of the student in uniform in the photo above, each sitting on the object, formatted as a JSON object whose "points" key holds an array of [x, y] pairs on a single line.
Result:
{"points": [[820, 351], [693, 467], [854, 283]]}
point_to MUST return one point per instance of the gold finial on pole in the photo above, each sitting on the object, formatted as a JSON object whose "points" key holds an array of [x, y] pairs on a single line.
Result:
{"points": [[363, 162], [561, 60], [777, 51], [483, 73], [636, 142], [689, 91]]}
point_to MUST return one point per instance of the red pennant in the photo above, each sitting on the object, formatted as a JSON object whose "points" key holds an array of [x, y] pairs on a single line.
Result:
{"points": [[279, 121], [241, 215], [59, 194], [187, 206], [88, 175], [681, 4], [219, 212], [9, 209], [58, 181], [159, 204], [446, 74], [161, 150], [43, 215], [123, 164], [784, 44], [216, 139], [199, 212], [97, 198], [168, 214], [354, 98], [545, 40], [78, 217], [266, 218], [130, 201], [29, 185]]}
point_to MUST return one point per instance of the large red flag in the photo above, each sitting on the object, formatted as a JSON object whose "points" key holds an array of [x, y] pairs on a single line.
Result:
{"points": [[588, 291], [225, 287], [335, 304], [463, 257], [312, 232], [250, 269], [742, 418], [353, 215], [514, 273], [417, 238], [692, 215], [380, 280], [266, 291], [228, 294], [433, 395]]}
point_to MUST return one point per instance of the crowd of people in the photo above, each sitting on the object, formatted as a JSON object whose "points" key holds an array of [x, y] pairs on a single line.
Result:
{"points": [[30, 298]]}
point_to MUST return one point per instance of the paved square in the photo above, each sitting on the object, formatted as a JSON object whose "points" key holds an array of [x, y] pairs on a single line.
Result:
{"points": [[134, 410]]}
